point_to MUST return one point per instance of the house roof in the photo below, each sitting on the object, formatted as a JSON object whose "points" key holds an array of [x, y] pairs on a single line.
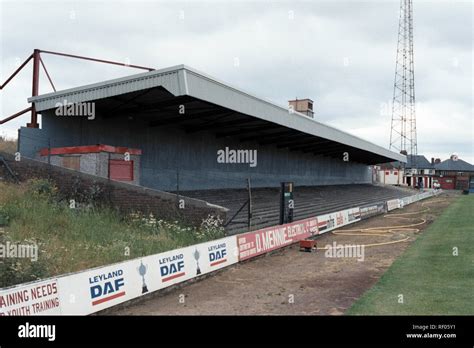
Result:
{"points": [[455, 166], [418, 161], [413, 161]]}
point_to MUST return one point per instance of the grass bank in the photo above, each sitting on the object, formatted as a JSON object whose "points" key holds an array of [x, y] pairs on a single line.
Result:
{"points": [[70, 240]]}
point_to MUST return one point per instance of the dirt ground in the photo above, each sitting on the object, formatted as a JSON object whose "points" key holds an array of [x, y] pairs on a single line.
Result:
{"points": [[290, 282]]}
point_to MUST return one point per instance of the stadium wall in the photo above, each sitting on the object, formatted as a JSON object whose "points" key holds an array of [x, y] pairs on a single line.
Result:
{"points": [[97, 289], [126, 198], [167, 150]]}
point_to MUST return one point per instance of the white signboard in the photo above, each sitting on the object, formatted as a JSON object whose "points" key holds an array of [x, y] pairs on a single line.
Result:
{"points": [[353, 215], [332, 221], [39, 298], [94, 290], [393, 204]]}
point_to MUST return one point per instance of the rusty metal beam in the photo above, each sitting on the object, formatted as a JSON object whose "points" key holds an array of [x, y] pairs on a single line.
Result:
{"points": [[97, 60], [47, 74], [15, 115], [16, 72], [35, 89], [37, 61]]}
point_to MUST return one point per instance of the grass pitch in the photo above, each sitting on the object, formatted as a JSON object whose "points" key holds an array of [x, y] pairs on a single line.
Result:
{"points": [[429, 278]]}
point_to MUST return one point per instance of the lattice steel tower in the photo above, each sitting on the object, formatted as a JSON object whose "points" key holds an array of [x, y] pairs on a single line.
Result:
{"points": [[403, 132]]}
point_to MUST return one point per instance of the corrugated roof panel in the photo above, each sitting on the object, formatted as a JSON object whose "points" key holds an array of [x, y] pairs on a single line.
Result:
{"points": [[181, 80], [205, 88], [166, 79]]}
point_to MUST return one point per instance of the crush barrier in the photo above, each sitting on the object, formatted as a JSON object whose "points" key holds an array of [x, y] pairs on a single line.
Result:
{"points": [[96, 289]]}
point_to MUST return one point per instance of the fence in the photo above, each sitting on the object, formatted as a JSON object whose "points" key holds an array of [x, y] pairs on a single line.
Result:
{"points": [[96, 289]]}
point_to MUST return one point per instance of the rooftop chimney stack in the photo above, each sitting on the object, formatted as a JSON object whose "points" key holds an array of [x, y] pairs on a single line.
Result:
{"points": [[304, 106]]}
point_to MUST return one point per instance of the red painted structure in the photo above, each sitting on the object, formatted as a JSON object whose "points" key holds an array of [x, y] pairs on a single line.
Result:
{"points": [[89, 149], [77, 158], [446, 182], [307, 245], [453, 182], [121, 170]]}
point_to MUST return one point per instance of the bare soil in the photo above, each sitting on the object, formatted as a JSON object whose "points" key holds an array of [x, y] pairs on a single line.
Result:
{"points": [[291, 282]]}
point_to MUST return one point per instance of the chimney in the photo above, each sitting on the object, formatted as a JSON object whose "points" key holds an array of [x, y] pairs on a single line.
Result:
{"points": [[437, 161], [432, 160], [304, 106]]}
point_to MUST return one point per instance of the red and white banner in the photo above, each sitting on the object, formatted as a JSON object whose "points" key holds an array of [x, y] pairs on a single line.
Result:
{"points": [[338, 219], [262, 241], [39, 298]]}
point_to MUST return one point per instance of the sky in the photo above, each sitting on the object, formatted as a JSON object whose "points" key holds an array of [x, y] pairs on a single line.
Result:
{"points": [[339, 53]]}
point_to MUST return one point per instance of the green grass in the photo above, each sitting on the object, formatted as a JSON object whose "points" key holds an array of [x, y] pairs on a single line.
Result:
{"points": [[7, 145], [431, 280], [76, 239]]}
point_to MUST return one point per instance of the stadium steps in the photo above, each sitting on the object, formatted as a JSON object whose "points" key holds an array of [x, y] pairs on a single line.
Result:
{"points": [[309, 201]]}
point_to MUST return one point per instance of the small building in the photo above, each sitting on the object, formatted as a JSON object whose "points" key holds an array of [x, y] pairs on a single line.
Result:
{"points": [[454, 173], [389, 175], [303, 106], [417, 172], [112, 162]]}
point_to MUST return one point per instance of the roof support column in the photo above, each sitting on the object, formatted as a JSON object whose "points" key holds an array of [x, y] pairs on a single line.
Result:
{"points": [[35, 89]]}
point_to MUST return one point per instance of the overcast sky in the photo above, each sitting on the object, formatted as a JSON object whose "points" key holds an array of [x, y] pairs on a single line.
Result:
{"points": [[339, 53]]}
